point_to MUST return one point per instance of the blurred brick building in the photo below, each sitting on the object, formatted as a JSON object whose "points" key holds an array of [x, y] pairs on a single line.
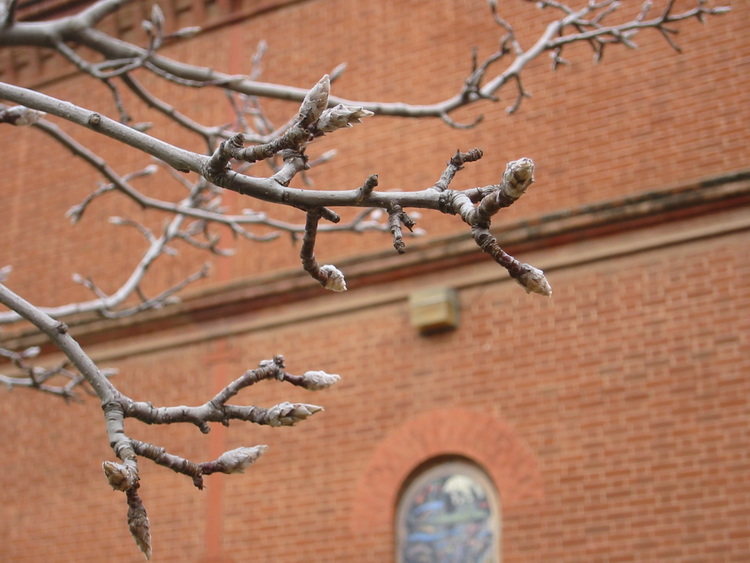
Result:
{"points": [[610, 422]]}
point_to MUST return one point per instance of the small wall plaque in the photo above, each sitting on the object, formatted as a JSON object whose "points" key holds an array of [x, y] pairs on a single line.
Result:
{"points": [[434, 309]]}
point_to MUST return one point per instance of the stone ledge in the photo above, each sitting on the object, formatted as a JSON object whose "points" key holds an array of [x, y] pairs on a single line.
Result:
{"points": [[282, 289]]}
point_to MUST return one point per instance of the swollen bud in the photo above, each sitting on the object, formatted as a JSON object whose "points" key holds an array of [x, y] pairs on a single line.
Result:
{"points": [[317, 380], [533, 281], [238, 459], [335, 280], [315, 102], [341, 116], [289, 414], [120, 477], [519, 175]]}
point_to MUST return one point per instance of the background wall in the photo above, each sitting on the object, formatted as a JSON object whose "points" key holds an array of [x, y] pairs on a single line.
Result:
{"points": [[613, 418]]}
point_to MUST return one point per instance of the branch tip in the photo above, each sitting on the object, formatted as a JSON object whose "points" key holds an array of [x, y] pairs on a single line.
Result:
{"points": [[533, 281], [138, 522], [289, 414], [119, 476], [366, 189], [315, 102], [239, 459], [518, 176], [317, 380], [334, 278], [341, 116]]}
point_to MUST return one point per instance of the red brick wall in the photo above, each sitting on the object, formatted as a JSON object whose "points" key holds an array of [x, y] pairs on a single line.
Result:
{"points": [[612, 418]]}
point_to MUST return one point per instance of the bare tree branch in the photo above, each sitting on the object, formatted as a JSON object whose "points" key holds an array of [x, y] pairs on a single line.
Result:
{"points": [[233, 155], [117, 407], [40, 378]]}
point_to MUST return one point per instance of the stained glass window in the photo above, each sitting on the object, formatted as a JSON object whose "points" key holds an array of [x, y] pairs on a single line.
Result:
{"points": [[448, 513]]}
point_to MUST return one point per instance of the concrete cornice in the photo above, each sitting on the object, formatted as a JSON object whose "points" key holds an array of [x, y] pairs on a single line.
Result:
{"points": [[721, 203]]}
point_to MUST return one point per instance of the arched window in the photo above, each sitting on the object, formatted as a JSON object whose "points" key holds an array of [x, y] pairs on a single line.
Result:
{"points": [[448, 513]]}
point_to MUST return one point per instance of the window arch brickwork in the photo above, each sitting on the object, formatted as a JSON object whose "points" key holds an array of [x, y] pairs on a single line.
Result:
{"points": [[489, 441]]}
